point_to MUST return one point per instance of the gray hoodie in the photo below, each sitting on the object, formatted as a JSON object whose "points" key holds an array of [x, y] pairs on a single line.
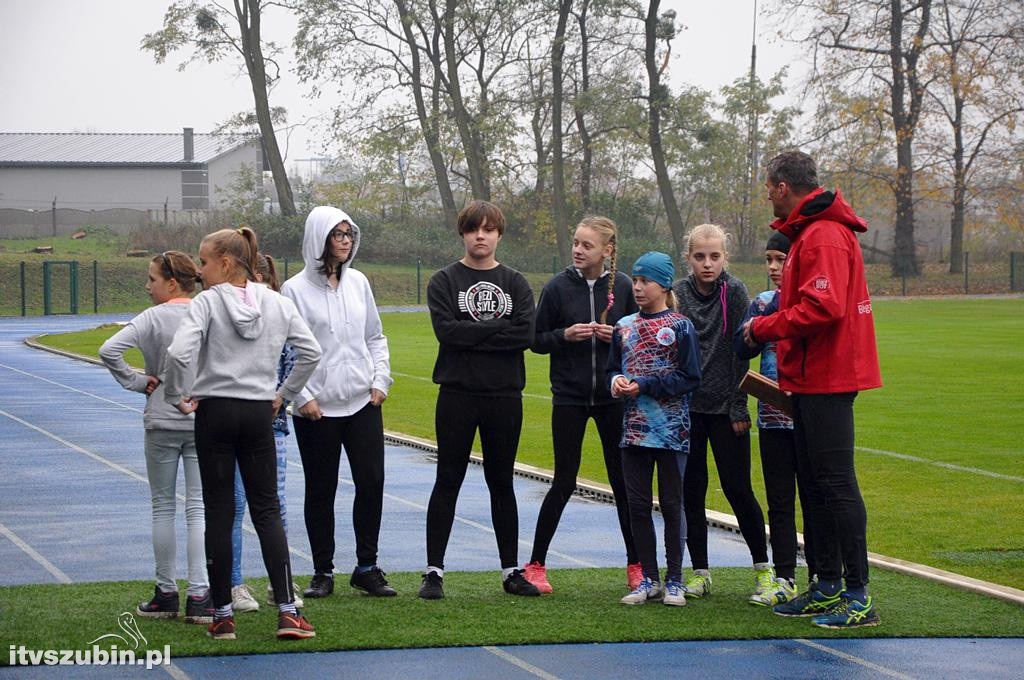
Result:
{"points": [[150, 332], [236, 346]]}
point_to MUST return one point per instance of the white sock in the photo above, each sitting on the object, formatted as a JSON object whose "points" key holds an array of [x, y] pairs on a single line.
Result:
{"points": [[758, 566], [706, 573], [505, 573], [436, 570], [225, 611], [287, 608]]}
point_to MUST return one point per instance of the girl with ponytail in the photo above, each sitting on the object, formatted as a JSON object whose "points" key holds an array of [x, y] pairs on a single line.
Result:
{"points": [[230, 341], [575, 316]]}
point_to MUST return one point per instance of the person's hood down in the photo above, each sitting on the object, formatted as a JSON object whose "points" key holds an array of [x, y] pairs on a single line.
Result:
{"points": [[247, 320], [820, 205], [321, 220]]}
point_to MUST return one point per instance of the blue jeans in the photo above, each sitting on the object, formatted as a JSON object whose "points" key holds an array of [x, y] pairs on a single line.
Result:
{"points": [[281, 442], [163, 450]]}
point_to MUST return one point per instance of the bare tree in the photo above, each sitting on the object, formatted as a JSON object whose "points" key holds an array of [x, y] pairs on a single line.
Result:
{"points": [[213, 31], [978, 92]]}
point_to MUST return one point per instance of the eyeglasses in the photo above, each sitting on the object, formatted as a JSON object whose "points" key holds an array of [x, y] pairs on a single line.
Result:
{"points": [[341, 235]]}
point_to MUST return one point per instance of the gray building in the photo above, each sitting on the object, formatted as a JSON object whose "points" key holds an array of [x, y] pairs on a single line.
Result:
{"points": [[129, 177]]}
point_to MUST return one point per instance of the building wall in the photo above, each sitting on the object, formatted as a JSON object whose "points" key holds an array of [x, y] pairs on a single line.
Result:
{"points": [[223, 171], [90, 188]]}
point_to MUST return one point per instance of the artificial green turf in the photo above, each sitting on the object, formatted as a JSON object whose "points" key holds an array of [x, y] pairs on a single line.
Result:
{"points": [[583, 608], [952, 394]]}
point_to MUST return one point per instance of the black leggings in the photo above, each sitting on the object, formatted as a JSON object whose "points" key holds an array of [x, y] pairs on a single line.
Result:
{"points": [[568, 426], [638, 470], [732, 458], [230, 431], [320, 443], [456, 420], [782, 480], [837, 518]]}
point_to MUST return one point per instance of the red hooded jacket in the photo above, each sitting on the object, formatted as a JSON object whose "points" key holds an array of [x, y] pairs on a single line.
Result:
{"points": [[824, 327]]}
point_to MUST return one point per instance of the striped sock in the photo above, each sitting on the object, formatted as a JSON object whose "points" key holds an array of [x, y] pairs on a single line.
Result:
{"points": [[287, 608], [225, 611]]}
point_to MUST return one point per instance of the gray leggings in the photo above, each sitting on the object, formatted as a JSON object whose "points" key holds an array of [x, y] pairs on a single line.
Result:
{"points": [[163, 449]]}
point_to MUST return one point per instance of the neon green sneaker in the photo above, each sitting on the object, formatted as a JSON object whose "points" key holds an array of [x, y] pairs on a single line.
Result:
{"points": [[849, 613], [782, 590], [698, 585], [811, 602], [764, 583]]}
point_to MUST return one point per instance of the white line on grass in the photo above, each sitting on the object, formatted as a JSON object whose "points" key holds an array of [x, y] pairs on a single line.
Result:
{"points": [[468, 522], [31, 552], [855, 659], [120, 468], [519, 663]]}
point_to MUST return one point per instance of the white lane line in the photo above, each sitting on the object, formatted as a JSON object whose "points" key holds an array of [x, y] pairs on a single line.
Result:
{"points": [[31, 552], [69, 387], [519, 663], [175, 672], [855, 659], [468, 522], [131, 473]]}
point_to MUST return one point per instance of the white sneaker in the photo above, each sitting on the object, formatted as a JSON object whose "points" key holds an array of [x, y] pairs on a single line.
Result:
{"points": [[295, 593], [242, 600], [647, 590], [674, 594]]}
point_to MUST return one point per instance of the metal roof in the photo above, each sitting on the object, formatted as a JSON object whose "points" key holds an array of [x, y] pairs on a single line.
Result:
{"points": [[78, 148]]}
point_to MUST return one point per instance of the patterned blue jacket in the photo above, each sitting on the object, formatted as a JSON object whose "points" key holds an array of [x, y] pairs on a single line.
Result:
{"points": [[661, 354], [768, 417], [284, 368]]}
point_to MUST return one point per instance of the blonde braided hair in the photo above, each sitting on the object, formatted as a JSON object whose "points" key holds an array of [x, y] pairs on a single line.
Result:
{"points": [[607, 230]]}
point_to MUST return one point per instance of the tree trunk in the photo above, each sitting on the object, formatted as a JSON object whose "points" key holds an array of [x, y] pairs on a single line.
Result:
{"points": [[428, 123], [474, 157], [249, 24], [586, 141], [956, 222], [658, 97], [558, 198]]}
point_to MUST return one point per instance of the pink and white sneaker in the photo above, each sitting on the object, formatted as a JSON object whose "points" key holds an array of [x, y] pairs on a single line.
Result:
{"points": [[537, 574], [634, 575]]}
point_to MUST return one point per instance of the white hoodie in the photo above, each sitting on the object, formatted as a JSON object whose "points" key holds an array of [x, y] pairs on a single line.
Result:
{"points": [[344, 321]]}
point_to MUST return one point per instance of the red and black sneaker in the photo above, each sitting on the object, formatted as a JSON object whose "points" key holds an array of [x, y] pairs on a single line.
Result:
{"points": [[162, 606], [199, 608], [222, 628], [294, 627]]}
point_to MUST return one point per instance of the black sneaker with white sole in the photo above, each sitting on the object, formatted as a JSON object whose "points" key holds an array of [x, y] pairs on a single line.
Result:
{"points": [[200, 609], [516, 584], [162, 606], [433, 586]]}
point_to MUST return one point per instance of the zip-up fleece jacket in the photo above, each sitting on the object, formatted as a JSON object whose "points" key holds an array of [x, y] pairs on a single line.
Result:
{"points": [[344, 320], [716, 316], [236, 346], [577, 369], [151, 332], [824, 327]]}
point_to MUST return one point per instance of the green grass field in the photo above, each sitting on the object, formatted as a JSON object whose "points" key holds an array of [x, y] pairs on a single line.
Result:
{"points": [[952, 395], [588, 598]]}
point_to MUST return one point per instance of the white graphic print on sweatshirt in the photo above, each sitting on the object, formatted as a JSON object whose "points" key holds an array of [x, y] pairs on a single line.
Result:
{"points": [[485, 301]]}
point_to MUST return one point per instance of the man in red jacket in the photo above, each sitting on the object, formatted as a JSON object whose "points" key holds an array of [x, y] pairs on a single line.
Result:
{"points": [[826, 355]]}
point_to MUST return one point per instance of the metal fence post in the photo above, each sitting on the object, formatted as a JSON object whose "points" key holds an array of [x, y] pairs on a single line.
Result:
{"points": [[1013, 272], [46, 287], [95, 287], [966, 271], [904, 278], [554, 265], [286, 269], [73, 285], [22, 277], [419, 274]]}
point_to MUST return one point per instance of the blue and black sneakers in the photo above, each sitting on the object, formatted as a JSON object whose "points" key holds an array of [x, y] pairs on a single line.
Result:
{"points": [[808, 603], [849, 613]]}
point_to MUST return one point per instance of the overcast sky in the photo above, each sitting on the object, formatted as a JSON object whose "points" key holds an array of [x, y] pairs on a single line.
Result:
{"points": [[75, 65]]}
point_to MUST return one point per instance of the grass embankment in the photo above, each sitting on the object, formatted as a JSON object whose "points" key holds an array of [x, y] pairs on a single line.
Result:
{"points": [[951, 370], [583, 608]]}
